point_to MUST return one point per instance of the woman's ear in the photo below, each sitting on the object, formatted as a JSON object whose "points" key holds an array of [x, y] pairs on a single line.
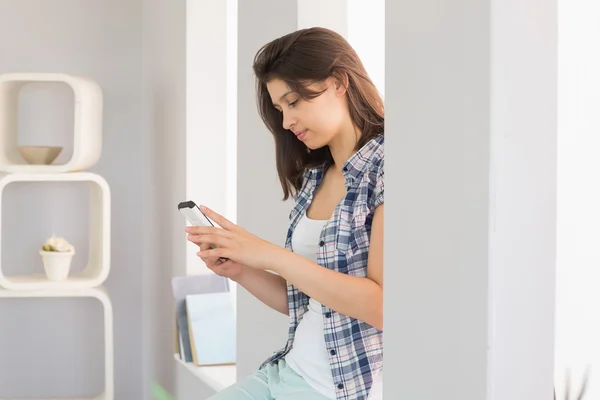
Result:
{"points": [[340, 83]]}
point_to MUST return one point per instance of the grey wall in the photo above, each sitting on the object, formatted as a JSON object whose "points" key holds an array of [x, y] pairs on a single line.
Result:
{"points": [[163, 76], [55, 346], [261, 331]]}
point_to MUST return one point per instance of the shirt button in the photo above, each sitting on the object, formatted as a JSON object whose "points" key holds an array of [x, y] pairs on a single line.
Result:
{"points": [[321, 243], [332, 352], [327, 314], [340, 386]]}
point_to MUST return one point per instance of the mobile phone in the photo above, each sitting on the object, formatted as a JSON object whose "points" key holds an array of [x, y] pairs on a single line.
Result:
{"points": [[193, 214], [196, 217]]}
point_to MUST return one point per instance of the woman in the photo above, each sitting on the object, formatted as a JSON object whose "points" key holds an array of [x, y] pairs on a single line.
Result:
{"points": [[326, 116]]}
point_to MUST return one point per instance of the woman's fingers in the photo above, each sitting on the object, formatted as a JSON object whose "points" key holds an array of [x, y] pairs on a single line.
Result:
{"points": [[218, 218], [207, 230], [218, 252], [204, 246], [214, 263], [209, 239]]}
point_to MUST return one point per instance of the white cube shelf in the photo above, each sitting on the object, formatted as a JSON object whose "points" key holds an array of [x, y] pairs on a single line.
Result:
{"points": [[97, 293], [98, 267], [87, 135]]}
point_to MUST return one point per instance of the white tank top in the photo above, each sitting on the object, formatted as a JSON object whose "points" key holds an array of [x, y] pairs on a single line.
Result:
{"points": [[309, 356]]}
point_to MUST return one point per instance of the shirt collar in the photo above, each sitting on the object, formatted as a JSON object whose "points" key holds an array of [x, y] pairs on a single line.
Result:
{"points": [[356, 165]]}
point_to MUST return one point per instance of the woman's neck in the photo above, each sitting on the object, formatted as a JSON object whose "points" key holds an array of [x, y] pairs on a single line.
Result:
{"points": [[343, 146]]}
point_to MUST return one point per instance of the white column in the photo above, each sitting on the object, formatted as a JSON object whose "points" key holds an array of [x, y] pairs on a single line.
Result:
{"points": [[331, 14], [207, 119], [366, 34], [577, 295], [470, 174], [523, 198]]}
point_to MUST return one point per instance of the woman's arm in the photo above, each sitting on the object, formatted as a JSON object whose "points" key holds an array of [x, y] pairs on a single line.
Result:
{"points": [[269, 288], [360, 298]]}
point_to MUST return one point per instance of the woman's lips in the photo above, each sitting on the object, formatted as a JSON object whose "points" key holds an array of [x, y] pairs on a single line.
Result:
{"points": [[302, 134]]}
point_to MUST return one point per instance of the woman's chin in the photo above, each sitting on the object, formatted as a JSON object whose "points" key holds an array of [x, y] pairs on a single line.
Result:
{"points": [[314, 145]]}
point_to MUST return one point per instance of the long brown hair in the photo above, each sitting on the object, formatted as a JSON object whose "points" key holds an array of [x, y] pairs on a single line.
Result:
{"points": [[300, 59]]}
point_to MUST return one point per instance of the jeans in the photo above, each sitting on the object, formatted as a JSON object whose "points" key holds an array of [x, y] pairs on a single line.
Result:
{"points": [[273, 382]]}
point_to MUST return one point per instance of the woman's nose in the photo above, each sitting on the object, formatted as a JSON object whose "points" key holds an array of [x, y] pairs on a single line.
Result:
{"points": [[288, 121]]}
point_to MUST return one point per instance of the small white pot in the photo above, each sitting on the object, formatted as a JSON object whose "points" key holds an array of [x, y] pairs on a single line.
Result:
{"points": [[57, 264]]}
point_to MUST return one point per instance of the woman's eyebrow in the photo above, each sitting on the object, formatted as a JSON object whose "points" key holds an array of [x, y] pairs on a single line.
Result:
{"points": [[283, 96]]}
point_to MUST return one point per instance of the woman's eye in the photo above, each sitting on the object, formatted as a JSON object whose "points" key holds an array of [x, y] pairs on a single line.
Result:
{"points": [[293, 103]]}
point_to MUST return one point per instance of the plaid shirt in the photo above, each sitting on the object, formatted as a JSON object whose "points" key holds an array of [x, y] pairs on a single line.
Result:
{"points": [[356, 348]]}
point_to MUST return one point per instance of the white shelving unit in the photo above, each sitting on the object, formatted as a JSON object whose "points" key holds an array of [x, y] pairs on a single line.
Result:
{"points": [[86, 152], [87, 135]]}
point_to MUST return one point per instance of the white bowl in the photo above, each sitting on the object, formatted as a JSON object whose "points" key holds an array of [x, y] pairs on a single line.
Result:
{"points": [[40, 155]]}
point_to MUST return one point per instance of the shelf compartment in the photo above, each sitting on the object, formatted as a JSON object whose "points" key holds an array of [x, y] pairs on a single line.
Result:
{"points": [[98, 265], [101, 295], [87, 124]]}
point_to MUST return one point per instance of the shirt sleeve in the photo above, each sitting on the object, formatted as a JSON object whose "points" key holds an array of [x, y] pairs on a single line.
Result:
{"points": [[379, 186]]}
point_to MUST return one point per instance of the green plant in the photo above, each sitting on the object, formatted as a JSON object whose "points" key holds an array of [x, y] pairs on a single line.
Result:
{"points": [[57, 244]]}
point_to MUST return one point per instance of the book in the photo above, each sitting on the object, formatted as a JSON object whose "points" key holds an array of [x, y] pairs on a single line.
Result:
{"points": [[193, 284], [177, 340], [212, 327]]}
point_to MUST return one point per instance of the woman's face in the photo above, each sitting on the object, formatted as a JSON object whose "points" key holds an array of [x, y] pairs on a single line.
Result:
{"points": [[315, 122]]}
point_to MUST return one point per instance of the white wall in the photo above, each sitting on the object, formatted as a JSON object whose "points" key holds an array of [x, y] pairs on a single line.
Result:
{"points": [[577, 319]]}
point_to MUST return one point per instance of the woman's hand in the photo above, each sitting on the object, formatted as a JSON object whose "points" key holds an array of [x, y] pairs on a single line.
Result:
{"points": [[233, 242], [226, 268]]}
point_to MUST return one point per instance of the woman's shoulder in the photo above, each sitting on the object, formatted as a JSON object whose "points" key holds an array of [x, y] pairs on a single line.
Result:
{"points": [[377, 148], [374, 175], [373, 153], [371, 156]]}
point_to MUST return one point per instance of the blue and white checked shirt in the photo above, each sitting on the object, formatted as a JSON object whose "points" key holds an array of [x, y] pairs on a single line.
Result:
{"points": [[355, 347]]}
